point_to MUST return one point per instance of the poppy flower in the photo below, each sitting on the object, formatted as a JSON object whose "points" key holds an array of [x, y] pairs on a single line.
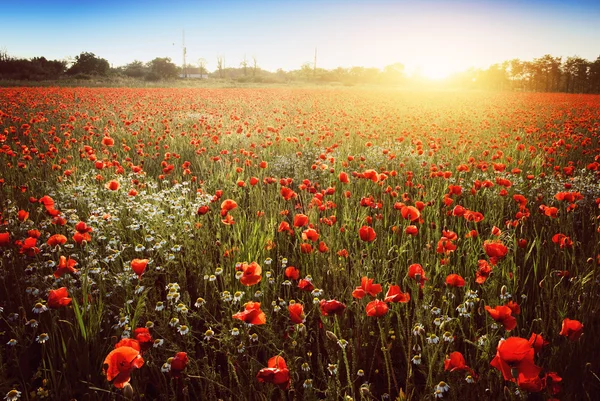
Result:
{"points": [[112, 185], [58, 298], [331, 307], [537, 342], [416, 272], [495, 250], [139, 266], [412, 230], [366, 287], [292, 273], [227, 205], [80, 237], [251, 314], [456, 362], [367, 234], [306, 285], [573, 329], [454, 280], [410, 213], [57, 239], [82, 227], [129, 342], [483, 271], [310, 234], [143, 337], [394, 294], [22, 215], [251, 274], [296, 313], [4, 239], [202, 210], [376, 308], [178, 363], [65, 266], [300, 220], [343, 177], [502, 314], [517, 353], [119, 364], [276, 373]]}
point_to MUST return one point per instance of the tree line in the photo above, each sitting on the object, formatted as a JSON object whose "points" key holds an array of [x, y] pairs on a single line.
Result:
{"points": [[544, 74]]}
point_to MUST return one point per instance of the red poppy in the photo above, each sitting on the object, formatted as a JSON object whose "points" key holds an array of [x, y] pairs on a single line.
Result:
{"points": [[376, 308], [57, 239], [251, 273], [80, 237], [454, 280], [82, 227], [65, 266], [296, 313], [503, 314], [496, 250], [366, 287], [227, 205], [112, 185], [4, 239], [331, 307], [394, 294], [517, 353], [276, 373], [412, 230], [310, 234], [119, 364], [573, 329], [22, 215], [178, 363], [416, 272], [202, 210], [300, 220], [143, 337], [456, 362], [251, 314], [483, 271], [129, 342], [410, 213], [292, 273], [306, 285], [58, 298], [367, 234], [139, 266], [537, 342]]}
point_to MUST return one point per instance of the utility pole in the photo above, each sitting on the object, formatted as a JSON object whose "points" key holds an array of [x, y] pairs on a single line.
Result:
{"points": [[184, 51], [315, 64]]}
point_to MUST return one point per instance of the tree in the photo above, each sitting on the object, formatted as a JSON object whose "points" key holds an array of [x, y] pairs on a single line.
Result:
{"points": [[135, 69], [220, 65], [202, 66], [244, 64], [162, 68], [89, 63], [255, 66]]}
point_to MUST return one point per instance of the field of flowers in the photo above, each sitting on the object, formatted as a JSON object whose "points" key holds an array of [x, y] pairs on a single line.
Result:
{"points": [[298, 244]]}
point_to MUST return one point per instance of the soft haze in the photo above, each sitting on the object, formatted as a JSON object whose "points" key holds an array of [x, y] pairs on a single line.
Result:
{"points": [[433, 37]]}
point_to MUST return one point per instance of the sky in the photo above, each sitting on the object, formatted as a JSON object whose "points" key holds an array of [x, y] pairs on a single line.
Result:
{"points": [[434, 38]]}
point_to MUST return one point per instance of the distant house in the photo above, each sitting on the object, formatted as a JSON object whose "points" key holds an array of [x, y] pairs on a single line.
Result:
{"points": [[194, 73]]}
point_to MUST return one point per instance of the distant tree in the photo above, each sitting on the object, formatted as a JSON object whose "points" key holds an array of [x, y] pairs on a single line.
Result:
{"points": [[244, 65], [162, 68], [89, 63], [220, 65], [393, 73], [135, 69], [202, 65], [254, 66]]}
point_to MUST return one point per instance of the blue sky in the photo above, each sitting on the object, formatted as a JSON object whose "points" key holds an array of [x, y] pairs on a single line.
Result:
{"points": [[433, 36]]}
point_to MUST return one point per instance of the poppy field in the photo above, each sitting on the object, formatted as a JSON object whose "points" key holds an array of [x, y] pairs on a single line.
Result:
{"points": [[301, 244]]}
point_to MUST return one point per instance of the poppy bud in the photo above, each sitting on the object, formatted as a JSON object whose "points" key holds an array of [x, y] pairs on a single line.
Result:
{"points": [[128, 391], [503, 290], [330, 335]]}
